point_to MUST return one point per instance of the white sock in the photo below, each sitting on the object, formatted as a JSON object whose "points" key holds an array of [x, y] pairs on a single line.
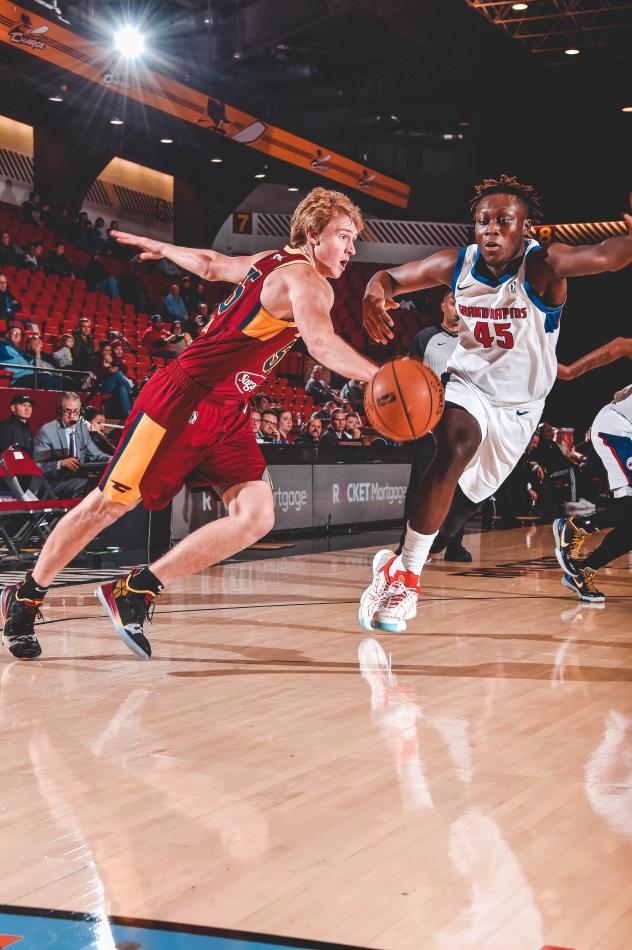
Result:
{"points": [[414, 552]]}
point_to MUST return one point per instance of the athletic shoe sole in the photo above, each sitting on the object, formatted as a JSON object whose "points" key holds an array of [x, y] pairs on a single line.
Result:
{"points": [[567, 582], [398, 626], [113, 614]]}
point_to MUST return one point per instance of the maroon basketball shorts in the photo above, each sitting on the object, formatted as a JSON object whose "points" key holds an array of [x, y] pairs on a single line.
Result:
{"points": [[175, 429]]}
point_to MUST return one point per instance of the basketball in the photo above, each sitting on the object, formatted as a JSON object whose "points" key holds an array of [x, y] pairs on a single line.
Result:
{"points": [[404, 400]]}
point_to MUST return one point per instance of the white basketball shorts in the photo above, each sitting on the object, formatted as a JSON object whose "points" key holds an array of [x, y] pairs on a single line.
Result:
{"points": [[611, 434], [505, 434]]}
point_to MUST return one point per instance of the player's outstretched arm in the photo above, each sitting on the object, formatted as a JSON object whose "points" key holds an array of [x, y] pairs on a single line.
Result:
{"points": [[207, 264], [385, 284], [614, 253], [311, 299], [614, 350]]}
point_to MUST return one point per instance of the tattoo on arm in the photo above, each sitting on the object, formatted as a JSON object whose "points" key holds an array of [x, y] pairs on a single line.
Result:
{"points": [[608, 353]]}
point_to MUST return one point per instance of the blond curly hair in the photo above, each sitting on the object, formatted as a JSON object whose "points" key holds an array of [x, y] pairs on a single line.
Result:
{"points": [[316, 210]]}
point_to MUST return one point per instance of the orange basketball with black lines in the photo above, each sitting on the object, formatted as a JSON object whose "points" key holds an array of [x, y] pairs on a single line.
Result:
{"points": [[404, 400]]}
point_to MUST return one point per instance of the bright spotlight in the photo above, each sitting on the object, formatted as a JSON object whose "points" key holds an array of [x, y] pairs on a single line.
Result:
{"points": [[129, 42]]}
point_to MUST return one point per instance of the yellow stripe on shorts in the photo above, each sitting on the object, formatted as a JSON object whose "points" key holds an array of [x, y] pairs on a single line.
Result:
{"points": [[121, 482]]}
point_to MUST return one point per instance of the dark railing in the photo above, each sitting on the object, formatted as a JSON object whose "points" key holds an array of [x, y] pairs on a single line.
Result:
{"points": [[34, 370]]}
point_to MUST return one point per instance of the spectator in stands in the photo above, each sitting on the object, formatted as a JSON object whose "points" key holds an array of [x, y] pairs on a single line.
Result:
{"points": [[43, 363], [193, 325], [63, 446], [174, 304], [31, 208], [62, 356], [559, 471], [324, 413], [118, 352], [311, 432], [336, 433], [112, 247], [285, 425], [156, 336], [178, 339], [12, 356], [80, 229], [46, 214], [33, 257], [188, 293], [320, 390], [11, 255], [95, 421], [100, 232], [116, 337], [57, 262], [110, 379], [269, 428], [262, 402], [16, 430], [131, 288], [83, 349], [255, 418], [97, 278], [9, 303], [353, 392], [353, 426]]}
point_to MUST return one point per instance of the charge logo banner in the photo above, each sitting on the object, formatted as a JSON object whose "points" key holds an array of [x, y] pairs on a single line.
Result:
{"points": [[68, 51]]}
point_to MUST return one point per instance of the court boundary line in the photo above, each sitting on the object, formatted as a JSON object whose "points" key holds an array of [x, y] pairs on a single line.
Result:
{"points": [[172, 927]]}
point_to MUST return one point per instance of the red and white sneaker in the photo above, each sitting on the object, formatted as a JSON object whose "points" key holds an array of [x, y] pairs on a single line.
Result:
{"points": [[398, 603], [372, 595]]}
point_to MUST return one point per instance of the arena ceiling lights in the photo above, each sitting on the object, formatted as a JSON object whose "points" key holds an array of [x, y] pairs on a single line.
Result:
{"points": [[129, 41], [553, 28]]}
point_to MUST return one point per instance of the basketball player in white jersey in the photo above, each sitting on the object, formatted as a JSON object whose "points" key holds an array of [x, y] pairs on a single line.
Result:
{"points": [[611, 435], [509, 294]]}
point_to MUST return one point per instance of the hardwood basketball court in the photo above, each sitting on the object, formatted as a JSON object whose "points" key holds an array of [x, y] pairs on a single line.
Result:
{"points": [[266, 772]]}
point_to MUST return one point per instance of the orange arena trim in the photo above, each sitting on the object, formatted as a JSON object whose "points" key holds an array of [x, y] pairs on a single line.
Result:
{"points": [[61, 47]]}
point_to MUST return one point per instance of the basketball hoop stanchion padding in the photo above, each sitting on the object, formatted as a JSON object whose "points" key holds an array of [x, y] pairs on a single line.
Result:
{"points": [[404, 400]]}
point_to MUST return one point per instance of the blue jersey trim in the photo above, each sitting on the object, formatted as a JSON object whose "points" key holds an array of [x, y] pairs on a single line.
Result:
{"points": [[457, 268], [621, 448], [553, 314]]}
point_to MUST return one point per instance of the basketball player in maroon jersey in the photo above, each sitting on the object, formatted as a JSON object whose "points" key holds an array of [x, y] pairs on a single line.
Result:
{"points": [[194, 415]]}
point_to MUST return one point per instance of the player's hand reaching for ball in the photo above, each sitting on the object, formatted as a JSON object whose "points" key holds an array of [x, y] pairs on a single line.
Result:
{"points": [[376, 319], [150, 250]]}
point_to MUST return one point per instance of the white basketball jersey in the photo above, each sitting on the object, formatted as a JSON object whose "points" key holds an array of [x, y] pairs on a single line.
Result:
{"points": [[622, 403], [507, 335]]}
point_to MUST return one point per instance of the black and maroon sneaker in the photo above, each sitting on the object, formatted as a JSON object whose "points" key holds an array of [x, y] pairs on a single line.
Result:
{"points": [[18, 619], [128, 609]]}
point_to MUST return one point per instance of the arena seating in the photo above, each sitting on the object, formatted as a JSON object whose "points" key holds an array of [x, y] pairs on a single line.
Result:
{"points": [[56, 304]]}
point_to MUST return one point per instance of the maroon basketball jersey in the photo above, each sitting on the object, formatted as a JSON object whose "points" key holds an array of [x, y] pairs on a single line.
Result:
{"points": [[242, 342]]}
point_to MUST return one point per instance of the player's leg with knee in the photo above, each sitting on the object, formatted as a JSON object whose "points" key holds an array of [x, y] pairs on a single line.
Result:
{"points": [[391, 599], [75, 530], [250, 517], [129, 601], [20, 603], [458, 436]]}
